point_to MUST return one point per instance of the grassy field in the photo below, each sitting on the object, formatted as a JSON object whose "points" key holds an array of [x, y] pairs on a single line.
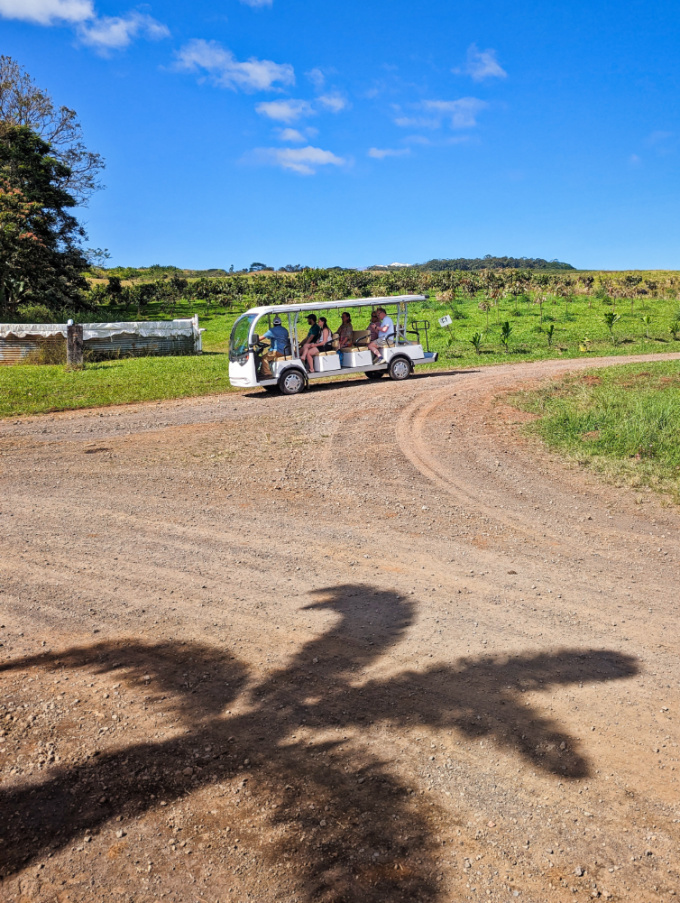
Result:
{"points": [[622, 421], [559, 329]]}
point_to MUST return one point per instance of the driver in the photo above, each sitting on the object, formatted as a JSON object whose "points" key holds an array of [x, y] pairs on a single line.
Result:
{"points": [[279, 346]]}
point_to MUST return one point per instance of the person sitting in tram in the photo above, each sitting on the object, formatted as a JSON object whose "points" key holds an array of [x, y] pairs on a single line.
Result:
{"points": [[314, 332], [374, 327], [346, 332], [385, 335], [279, 346], [323, 343]]}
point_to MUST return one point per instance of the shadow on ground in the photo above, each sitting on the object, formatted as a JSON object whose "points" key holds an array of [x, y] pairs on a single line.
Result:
{"points": [[354, 830]]}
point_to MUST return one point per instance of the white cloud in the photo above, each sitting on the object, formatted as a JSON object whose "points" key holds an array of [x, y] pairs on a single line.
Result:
{"points": [[416, 139], [634, 160], [115, 32], [228, 72], [463, 112], [303, 160], [292, 135], [47, 12], [317, 78], [285, 110], [481, 64], [417, 122], [334, 102], [257, 4], [380, 153]]}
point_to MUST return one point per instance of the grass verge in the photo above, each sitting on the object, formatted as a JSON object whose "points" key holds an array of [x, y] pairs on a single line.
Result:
{"points": [[623, 422], [36, 389], [578, 330]]}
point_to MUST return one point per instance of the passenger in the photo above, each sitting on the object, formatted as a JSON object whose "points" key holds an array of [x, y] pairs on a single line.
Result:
{"points": [[279, 346], [345, 333], [324, 342], [311, 338], [314, 332], [385, 335], [374, 327]]}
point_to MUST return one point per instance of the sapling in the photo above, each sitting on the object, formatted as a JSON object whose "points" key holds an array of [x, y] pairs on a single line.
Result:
{"points": [[611, 319], [647, 320], [674, 329], [506, 332], [476, 341], [550, 331]]}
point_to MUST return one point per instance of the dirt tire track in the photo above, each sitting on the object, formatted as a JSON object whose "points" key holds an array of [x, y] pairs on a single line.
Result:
{"points": [[441, 643]]}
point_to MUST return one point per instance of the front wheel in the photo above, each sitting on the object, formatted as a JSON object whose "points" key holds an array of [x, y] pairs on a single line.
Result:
{"points": [[400, 368], [291, 382]]}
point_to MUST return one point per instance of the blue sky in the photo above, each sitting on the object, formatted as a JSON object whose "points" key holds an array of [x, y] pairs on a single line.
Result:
{"points": [[358, 133]]}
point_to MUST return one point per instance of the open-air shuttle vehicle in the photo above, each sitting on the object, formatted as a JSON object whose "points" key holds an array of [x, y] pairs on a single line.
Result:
{"points": [[403, 352]]}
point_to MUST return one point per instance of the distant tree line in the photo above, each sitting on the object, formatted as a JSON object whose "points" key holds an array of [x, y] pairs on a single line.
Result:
{"points": [[494, 263]]}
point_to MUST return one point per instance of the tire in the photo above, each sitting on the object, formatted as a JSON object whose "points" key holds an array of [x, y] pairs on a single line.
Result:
{"points": [[374, 374], [400, 368], [291, 381]]}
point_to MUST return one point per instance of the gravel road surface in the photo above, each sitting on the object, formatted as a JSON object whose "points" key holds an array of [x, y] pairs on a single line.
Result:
{"points": [[364, 644]]}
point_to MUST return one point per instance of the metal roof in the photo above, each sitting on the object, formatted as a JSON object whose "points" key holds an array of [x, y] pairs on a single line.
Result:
{"points": [[334, 305]]}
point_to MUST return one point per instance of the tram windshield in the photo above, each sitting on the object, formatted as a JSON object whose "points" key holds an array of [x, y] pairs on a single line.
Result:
{"points": [[238, 344]]}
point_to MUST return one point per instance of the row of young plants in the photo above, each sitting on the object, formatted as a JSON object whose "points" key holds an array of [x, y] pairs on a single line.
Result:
{"points": [[238, 291]]}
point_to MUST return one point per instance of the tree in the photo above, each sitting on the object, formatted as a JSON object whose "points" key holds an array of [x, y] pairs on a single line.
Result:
{"points": [[41, 259], [22, 103]]}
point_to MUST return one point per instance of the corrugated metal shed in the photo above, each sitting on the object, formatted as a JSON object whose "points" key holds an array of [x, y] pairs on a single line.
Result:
{"points": [[14, 349], [45, 341]]}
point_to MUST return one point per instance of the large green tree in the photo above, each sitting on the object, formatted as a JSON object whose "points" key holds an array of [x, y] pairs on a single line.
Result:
{"points": [[23, 103], [41, 258]]}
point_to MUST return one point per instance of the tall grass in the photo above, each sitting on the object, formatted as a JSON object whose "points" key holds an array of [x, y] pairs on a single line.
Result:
{"points": [[624, 421]]}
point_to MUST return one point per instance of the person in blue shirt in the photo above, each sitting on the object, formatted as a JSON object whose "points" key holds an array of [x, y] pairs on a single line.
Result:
{"points": [[279, 346]]}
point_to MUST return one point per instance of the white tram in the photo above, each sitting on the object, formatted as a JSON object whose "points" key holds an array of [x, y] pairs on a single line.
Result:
{"points": [[404, 351]]}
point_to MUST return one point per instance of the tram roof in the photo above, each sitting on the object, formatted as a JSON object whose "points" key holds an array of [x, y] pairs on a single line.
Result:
{"points": [[334, 305]]}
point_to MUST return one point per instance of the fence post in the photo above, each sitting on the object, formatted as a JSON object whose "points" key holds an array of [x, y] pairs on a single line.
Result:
{"points": [[74, 344]]}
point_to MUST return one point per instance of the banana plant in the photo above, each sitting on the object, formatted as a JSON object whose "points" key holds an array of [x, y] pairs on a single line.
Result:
{"points": [[476, 341]]}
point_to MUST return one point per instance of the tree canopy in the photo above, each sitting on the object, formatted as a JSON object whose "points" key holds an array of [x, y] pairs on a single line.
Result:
{"points": [[494, 263], [23, 103], [41, 259]]}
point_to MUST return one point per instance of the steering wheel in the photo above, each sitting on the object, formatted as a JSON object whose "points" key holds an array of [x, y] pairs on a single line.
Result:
{"points": [[259, 347]]}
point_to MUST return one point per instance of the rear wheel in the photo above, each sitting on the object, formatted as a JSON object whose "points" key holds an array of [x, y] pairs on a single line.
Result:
{"points": [[291, 382], [400, 368], [374, 374]]}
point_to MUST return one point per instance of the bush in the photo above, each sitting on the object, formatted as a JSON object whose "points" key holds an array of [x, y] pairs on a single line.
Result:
{"points": [[35, 313]]}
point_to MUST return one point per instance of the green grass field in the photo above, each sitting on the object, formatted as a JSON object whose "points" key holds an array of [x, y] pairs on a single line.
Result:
{"points": [[579, 330], [621, 421]]}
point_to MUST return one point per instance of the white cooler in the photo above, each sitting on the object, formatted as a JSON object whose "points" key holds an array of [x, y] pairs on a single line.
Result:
{"points": [[356, 358], [325, 362]]}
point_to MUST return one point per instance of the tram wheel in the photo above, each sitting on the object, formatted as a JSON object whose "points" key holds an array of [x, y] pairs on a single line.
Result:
{"points": [[291, 382], [400, 368]]}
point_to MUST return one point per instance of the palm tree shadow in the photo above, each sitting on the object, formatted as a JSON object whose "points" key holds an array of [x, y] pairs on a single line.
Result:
{"points": [[353, 828]]}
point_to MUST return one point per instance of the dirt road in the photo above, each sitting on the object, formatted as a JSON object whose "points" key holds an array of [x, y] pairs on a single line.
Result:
{"points": [[364, 644]]}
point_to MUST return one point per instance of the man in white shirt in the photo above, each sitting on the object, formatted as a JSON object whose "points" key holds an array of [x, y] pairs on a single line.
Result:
{"points": [[385, 335]]}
